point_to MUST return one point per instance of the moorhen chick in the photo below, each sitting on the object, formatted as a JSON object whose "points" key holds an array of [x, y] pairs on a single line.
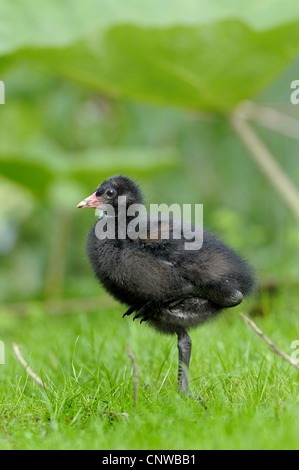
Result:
{"points": [[172, 288]]}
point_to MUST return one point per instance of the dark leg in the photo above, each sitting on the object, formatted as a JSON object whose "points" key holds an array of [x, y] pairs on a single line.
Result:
{"points": [[143, 312], [184, 347], [231, 298], [130, 310], [148, 309]]}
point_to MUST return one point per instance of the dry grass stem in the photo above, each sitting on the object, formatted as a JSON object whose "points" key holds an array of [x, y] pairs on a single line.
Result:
{"points": [[32, 374], [269, 342], [267, 162], [270, 118]]}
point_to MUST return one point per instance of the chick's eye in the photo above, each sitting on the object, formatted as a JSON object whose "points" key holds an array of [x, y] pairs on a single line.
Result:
{"points": [[110, 193]]}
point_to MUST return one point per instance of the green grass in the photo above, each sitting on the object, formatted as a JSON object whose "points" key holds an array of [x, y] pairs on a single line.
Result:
{"points": [[252, 394]]}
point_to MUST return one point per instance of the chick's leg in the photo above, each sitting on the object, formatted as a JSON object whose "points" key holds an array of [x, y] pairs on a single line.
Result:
{"points": [[184, 347]]}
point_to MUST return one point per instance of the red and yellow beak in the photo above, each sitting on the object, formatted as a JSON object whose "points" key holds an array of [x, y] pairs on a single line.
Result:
{"points": [[91, 201]]}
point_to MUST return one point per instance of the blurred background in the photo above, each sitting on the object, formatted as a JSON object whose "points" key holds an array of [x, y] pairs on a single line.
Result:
{"points": [[157, 94]]}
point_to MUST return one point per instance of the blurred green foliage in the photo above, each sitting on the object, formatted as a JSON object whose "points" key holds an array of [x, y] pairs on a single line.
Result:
{"points": [[147, 89], [93, 90]]}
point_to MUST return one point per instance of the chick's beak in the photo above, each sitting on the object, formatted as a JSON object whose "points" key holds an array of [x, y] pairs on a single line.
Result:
{"points": [[91, 201]]}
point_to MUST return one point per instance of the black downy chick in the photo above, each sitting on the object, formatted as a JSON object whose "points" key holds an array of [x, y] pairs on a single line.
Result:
{"points": [[172, 288]]}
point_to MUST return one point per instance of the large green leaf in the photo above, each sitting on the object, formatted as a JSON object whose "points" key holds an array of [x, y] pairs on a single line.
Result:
{"points": [[211, 68], [27, 172], [38, 173], [27, 24], [199, 54]]}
